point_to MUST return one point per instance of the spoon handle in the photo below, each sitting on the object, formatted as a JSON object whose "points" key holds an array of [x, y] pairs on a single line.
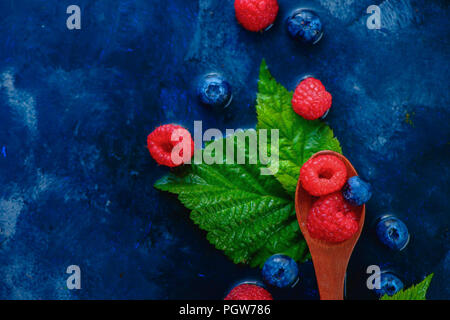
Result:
{"points": [[330, 274]]}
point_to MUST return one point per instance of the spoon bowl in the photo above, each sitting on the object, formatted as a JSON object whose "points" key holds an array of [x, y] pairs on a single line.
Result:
{"points": [[330, 259]]}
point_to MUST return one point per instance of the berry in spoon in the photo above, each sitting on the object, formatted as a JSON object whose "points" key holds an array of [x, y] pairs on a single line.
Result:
{"points": [[323, 175], [357, 191], [332, 219]]}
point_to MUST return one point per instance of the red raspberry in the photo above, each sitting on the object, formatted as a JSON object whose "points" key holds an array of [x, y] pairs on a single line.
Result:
{"points": [[332, 219], [167, 144], [310, 99], [256, 15], [248, 292], [323, 174]]}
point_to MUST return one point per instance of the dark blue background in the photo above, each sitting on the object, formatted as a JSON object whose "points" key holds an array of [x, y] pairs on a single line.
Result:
{"points": [[76, 107]]}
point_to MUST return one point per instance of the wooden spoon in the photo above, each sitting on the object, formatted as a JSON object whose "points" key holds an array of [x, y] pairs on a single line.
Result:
{"points": [[330, 259]]}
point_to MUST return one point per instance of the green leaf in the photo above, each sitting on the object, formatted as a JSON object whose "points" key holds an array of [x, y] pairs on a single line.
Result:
{"points": [[299, 139], [416, 292], [247, 215]]}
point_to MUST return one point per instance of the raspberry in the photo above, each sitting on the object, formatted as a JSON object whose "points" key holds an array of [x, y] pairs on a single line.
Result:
{"points": [[310, 99], [323, 174], [167, 144], [248, 292], [332, 219], [256, 15]]}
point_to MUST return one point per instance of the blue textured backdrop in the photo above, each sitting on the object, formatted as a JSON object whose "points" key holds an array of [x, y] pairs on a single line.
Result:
{"points": [[76, 107]]}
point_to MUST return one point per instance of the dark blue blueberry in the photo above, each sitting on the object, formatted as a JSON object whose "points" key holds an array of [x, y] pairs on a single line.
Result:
{"points": [[393, 232], [214, 91], [305, 25], [280, 271], [390, 284], [357, 191]]}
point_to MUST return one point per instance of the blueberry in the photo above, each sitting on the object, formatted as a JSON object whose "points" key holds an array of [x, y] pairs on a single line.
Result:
{"points": [[390, 284], [280, 271], [305, 25], [393, 232], [357, 191], [214, 91]]}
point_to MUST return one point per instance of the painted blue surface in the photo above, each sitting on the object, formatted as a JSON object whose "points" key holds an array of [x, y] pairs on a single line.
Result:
{"points": [[76, 107]]}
